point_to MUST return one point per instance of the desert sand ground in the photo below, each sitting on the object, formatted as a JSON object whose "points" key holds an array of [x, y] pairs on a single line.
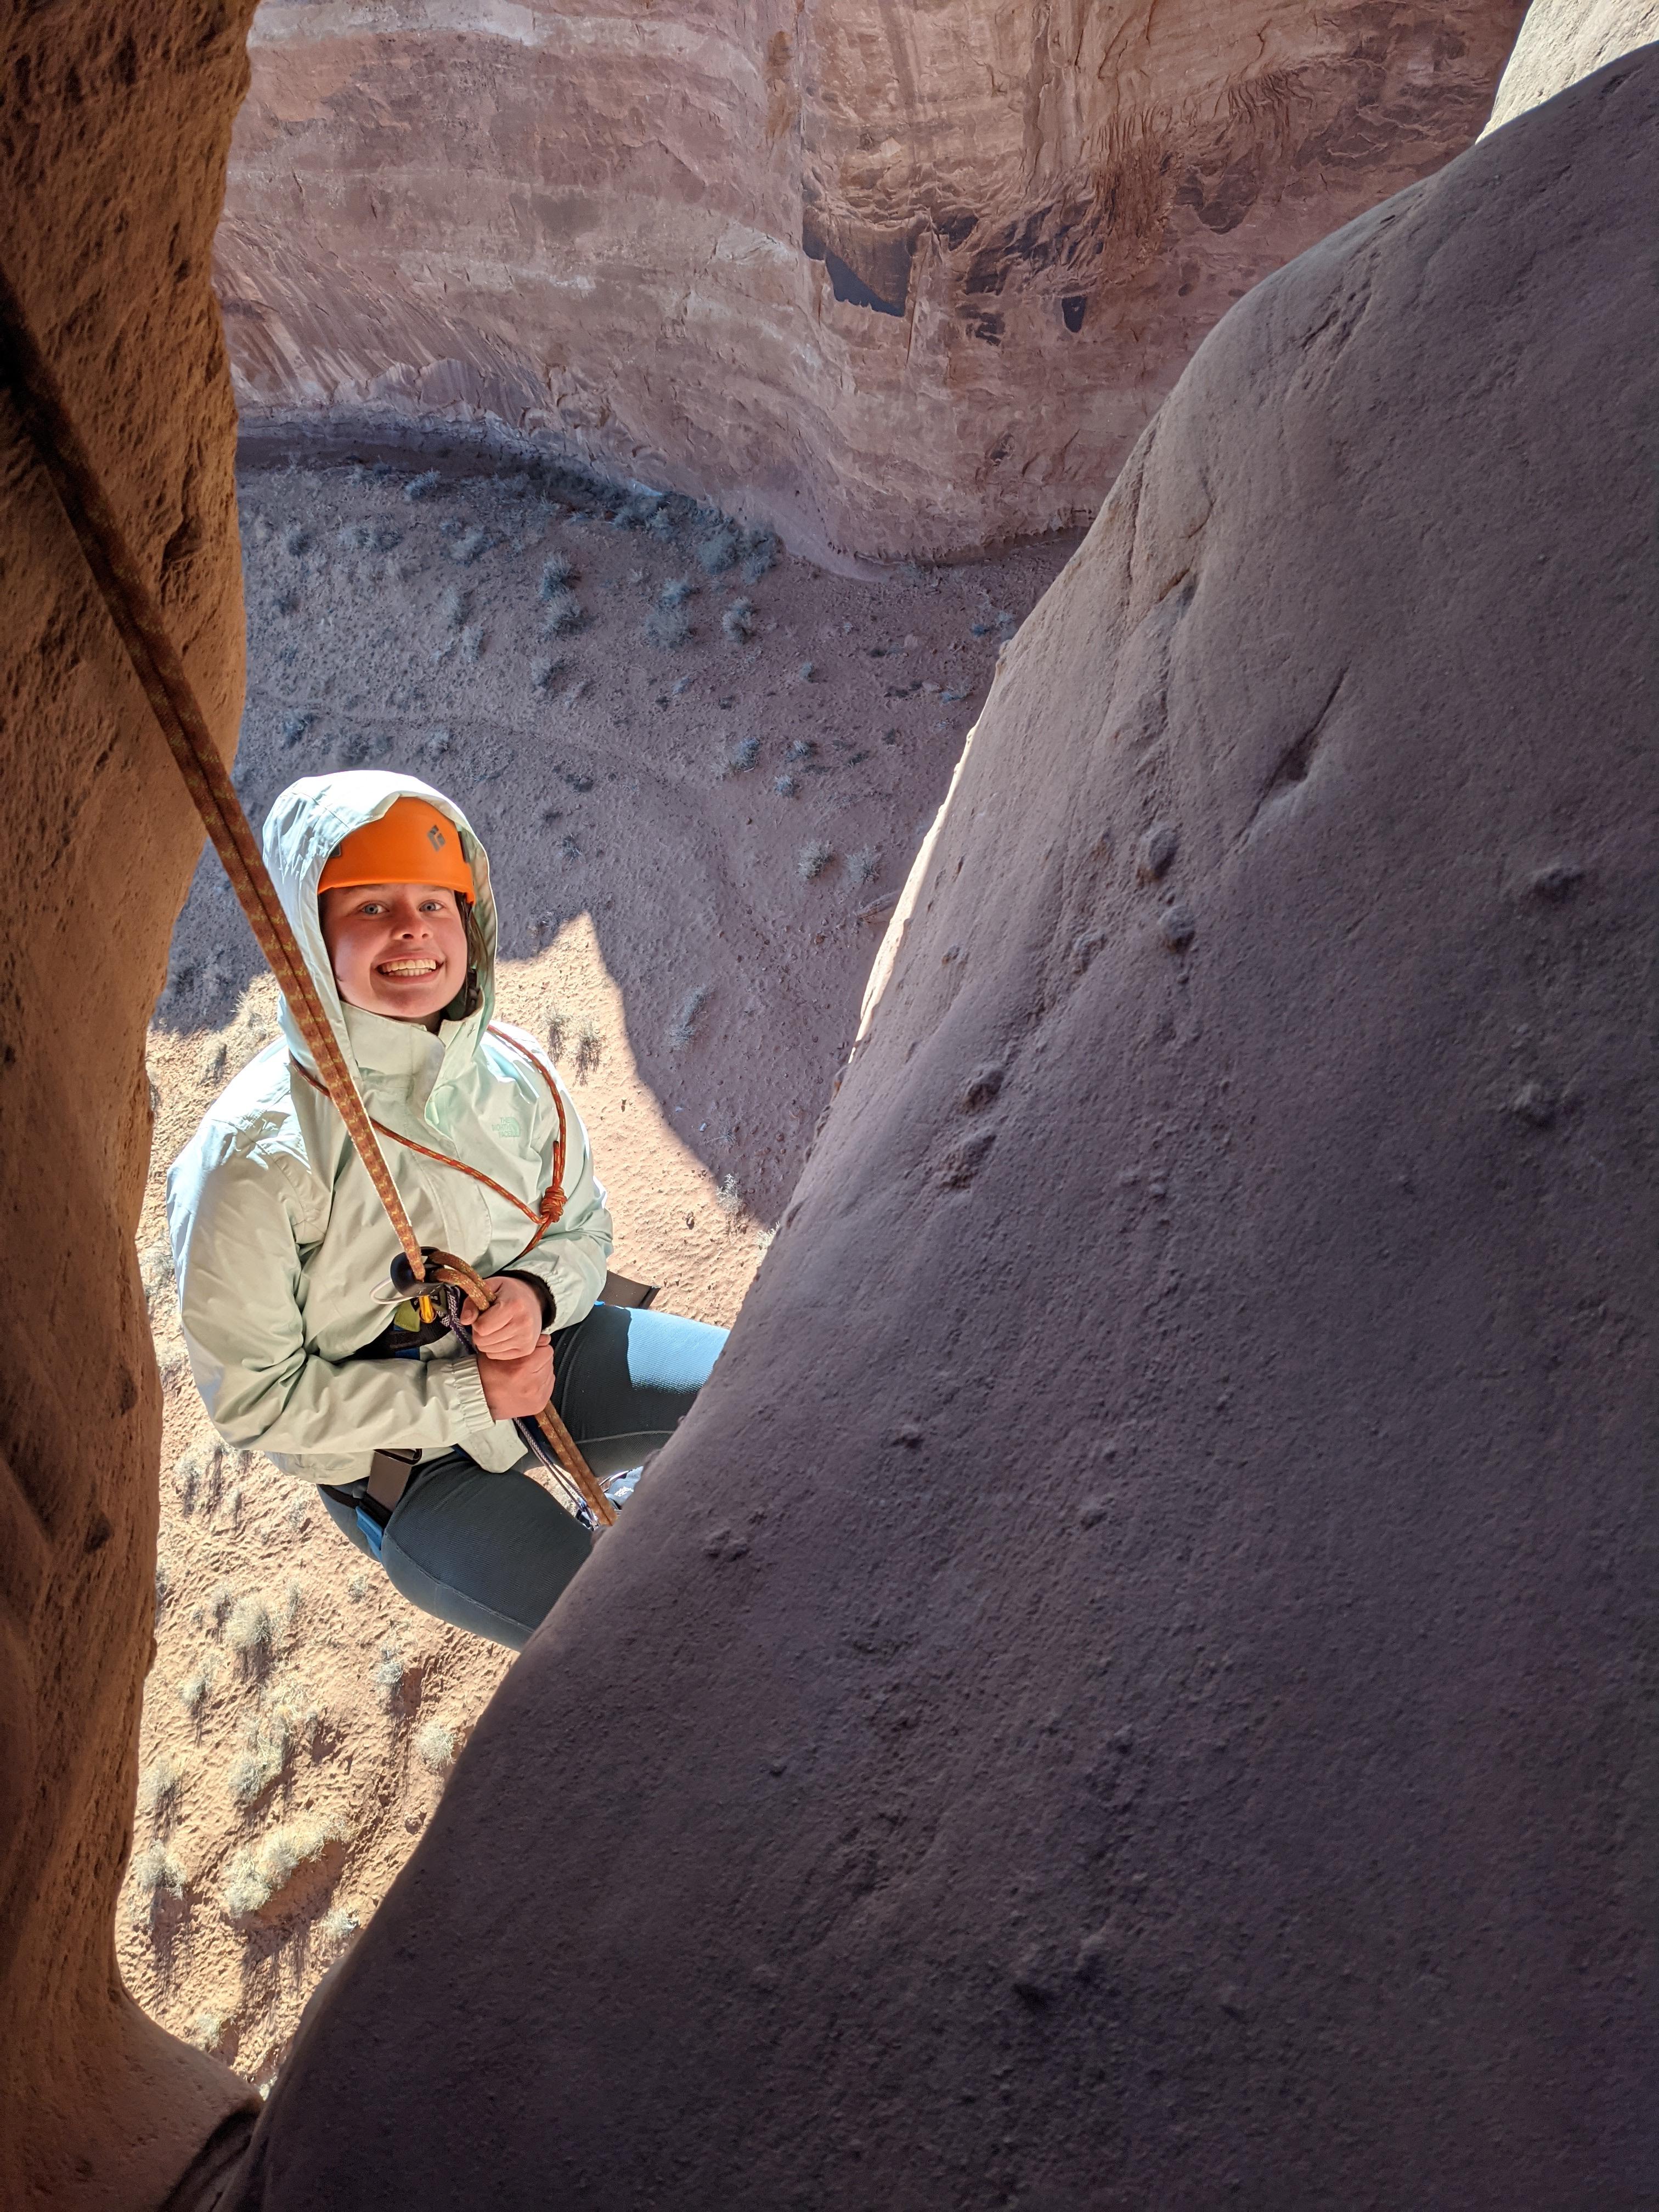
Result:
{"points": [[702, 769]]}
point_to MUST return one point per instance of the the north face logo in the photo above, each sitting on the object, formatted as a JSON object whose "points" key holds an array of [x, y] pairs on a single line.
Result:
{"points": [[436, 839]]}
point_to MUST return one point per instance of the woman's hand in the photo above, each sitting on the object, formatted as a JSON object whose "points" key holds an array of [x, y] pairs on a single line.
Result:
{"points": [[513, 1388], [512, 1326]]}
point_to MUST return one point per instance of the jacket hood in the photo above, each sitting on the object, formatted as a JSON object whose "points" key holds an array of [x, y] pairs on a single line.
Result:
{"points": [[305, 825]]}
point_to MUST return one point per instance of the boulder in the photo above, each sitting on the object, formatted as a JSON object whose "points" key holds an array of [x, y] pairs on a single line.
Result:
{"points": [[899, 281], [1127, 1689]]}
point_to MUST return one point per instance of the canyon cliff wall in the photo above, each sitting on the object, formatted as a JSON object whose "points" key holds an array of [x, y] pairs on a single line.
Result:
{"points": [[897, 281], [116, 127], [1127, 1689]]}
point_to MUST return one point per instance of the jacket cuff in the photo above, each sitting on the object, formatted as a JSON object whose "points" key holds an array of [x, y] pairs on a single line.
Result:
{"points": [[543, 1290], [464, 1387]]}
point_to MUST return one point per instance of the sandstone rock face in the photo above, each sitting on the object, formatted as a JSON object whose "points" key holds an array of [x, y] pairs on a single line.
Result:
{"points": [[895, 280], [1125, 1691], [117, 124], [1563, 40]]}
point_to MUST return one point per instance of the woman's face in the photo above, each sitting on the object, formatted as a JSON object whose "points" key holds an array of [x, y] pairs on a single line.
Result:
{"points": [[396, 948]]}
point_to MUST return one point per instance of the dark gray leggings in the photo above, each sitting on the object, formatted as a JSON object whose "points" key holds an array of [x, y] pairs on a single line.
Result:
{"points": [[489, 1553]]}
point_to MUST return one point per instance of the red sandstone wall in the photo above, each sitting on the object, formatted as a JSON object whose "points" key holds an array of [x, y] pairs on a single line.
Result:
{"points": [[116, 124], [900, 280]]}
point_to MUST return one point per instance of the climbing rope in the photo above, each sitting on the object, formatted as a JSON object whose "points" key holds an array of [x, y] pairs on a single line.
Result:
{"points": [[137, 614]]}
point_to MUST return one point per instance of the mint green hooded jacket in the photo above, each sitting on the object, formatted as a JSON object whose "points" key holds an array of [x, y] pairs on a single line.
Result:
{"points": [[283, 1250]]}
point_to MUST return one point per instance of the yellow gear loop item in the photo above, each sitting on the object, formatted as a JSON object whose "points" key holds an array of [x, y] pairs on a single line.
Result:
{"points": [[137, 614]]}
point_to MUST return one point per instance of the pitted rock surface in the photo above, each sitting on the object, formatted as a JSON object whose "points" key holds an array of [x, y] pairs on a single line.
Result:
{"points": [[1125, 1691]]}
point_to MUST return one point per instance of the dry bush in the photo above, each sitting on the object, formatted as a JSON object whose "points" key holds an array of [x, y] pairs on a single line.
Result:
{"points": [[862, 865], [158, 1791], [718, 552], [738, 621], [590, 1050], [667, 627], [248, 1632], [812, 859], [264, 1870], [435, 1744], [683, 1026], [563, 614], [154, 1871]]}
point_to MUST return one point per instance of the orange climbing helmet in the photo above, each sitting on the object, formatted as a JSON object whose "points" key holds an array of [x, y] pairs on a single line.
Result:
{"points": [[411, 843]]}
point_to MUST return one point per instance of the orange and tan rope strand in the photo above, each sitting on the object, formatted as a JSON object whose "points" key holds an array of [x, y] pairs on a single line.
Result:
{"points": [[137, 615]]}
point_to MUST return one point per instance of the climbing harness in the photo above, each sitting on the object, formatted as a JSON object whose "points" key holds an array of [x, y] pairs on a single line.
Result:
{"points": [[137, 614]]}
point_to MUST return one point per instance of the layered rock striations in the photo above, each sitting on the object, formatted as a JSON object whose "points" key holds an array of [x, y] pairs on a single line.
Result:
{"points": [[1127, 1689], [899, 281]]}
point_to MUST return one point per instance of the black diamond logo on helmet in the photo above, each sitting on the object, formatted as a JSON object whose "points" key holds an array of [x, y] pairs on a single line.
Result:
{"points": [[436, 838]]}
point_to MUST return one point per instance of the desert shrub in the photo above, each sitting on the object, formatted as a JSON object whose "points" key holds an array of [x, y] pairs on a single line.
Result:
{"points": [[590, 1050], [465, 548], [812, 859], [262, 1870], [422, 486], [369, 538], [802, 749], [455, 605], [474, 639], [743, 754], [662, 524], [294, 727], [542, 673], [389, 1675], [337, 1926], [158, 1790], [298, 1510], [785, 785], [807, 672], [438, 742], [267, 1748], [683, 1028], [556, 574], [192, 1691], [285, 602], [729, 1198], [760, 554], [738, 621], [862, 865], [563, 614], [357, 1589], [667, 627], [637, 512], [207, 2029], [676, 592], [247, 1632], [154, 1870], [718, 551], [435, 1747], [221, 1604], [163, 1582]]}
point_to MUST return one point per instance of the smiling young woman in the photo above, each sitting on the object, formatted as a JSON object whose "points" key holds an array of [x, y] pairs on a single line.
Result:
{"points": [[285, 1252]]}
